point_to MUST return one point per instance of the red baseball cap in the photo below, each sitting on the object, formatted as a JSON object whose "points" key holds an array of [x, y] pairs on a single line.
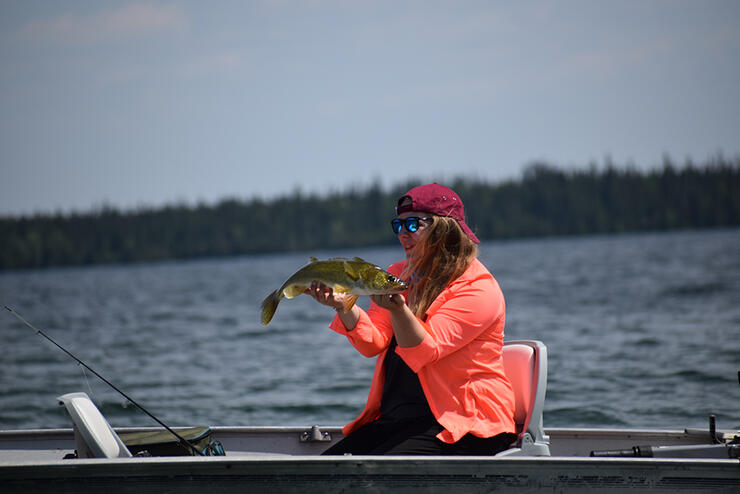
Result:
{"points": [[436, 199]]}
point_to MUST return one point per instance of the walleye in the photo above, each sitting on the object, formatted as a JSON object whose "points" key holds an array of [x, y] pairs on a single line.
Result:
{"points": [[352, 276]]}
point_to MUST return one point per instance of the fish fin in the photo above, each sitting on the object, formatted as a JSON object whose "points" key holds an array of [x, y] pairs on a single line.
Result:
{"points": [[349, 301], [269, 306], [313, 259], [349, 271], [359, 259], [292, 291]]}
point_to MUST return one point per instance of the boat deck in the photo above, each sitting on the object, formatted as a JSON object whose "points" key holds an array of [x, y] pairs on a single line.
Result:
{"points": [[54, 444]]}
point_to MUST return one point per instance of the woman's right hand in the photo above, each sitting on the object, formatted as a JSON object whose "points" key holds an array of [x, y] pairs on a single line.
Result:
{"points": [[325, 295]]}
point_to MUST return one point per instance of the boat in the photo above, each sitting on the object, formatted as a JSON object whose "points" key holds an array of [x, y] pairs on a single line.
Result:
{"points": [[93, 456]]}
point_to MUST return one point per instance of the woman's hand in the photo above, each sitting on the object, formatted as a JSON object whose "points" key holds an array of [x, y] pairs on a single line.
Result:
{"points": [[407, 328], [325, 295], [393, 302]]}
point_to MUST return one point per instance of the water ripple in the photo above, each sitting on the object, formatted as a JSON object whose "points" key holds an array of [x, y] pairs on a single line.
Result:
{"points": [[642, 331]]}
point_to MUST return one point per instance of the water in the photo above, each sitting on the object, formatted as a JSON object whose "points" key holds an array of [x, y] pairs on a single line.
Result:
{"points": [[642, 331]]}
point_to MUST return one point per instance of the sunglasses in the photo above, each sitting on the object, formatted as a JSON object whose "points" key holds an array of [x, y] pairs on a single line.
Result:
{"points": [[411, 224]]}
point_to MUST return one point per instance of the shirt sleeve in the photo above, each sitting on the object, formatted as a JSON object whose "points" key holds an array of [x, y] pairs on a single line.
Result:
{"points": [[462, 313], [373, 331]]}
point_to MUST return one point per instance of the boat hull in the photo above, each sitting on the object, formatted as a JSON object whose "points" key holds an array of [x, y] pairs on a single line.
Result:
{"points": [[373, 474], [277, 460]]}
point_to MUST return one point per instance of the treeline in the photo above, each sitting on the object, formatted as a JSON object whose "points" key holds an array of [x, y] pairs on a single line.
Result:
{"points": [[544, 201]]}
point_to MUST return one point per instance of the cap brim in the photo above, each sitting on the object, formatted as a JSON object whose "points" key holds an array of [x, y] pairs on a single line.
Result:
{"points": [[469, 232]]}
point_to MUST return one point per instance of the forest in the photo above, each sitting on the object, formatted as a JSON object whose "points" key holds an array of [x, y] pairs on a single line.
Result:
{"points": [[544, 201]]}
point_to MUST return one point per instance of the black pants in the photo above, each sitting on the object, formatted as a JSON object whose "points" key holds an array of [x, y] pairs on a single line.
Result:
{"points": [[415, 436]]}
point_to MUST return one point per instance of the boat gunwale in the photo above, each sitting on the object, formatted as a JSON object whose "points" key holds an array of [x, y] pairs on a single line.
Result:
{"points": [[552, 431], [276, 458]]}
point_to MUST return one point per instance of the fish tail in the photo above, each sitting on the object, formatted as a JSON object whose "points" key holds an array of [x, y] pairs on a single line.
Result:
{"points": [[269, 306]]}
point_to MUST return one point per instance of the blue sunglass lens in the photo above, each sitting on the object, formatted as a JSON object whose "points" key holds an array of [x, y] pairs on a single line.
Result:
{"points": [[411, 224]]}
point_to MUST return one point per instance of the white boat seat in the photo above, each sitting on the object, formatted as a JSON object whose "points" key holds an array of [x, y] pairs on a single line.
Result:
{"points": [[94, 437], [525, 364]]}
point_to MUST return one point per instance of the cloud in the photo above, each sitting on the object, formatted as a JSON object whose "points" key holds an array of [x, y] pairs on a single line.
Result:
{"points": [[128, 21], [218, 62], [614, 60]]}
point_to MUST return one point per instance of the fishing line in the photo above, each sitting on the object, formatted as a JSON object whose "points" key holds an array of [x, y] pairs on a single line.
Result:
{"points": [[87, 381], [180, 439]]}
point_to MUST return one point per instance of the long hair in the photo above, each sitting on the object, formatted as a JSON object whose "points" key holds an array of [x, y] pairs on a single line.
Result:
{"points": [[441, 255]]}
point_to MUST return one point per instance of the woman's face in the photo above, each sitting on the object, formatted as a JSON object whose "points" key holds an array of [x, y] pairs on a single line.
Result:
{"points": [[407, 239]]}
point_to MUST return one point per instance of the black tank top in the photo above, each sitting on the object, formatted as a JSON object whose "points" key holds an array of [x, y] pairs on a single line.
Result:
{"points": [[403, 396]]}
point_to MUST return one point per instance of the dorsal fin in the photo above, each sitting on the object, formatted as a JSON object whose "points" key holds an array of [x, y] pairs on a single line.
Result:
{"points": [[313, 259]]}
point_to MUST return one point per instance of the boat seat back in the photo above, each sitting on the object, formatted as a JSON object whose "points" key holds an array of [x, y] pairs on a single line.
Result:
{"points": [[94, 437], [525, 364], [519, 366]]}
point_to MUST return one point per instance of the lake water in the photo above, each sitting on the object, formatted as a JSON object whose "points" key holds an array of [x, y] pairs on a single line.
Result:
{"points": [[642, 331]]}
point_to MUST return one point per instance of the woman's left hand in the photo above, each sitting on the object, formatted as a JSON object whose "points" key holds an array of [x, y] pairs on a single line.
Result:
{"points": [[407, 328], [393, 302]]}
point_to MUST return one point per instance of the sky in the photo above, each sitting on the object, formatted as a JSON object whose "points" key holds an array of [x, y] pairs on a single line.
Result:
{"points": [[142, 104]]}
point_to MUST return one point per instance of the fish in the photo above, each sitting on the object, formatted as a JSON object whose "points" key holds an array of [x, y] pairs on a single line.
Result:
{"points": [[352, 276]]}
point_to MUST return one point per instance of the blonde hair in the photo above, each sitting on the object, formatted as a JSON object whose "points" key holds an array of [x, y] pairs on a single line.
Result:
{"points": [[442, 254]]}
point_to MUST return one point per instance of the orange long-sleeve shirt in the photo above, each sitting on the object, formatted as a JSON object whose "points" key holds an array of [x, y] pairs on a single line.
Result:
{"points": [[459, 362]]}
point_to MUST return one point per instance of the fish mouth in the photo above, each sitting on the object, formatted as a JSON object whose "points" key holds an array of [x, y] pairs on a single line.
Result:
{"points": [[400, 287], [397, 285]]}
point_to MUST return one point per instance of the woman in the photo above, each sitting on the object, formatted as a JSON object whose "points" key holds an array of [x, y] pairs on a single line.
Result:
{"points": [[439, 386]]}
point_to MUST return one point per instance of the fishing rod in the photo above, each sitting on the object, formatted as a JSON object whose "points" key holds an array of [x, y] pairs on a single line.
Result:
{"points": [[183, 442]]}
